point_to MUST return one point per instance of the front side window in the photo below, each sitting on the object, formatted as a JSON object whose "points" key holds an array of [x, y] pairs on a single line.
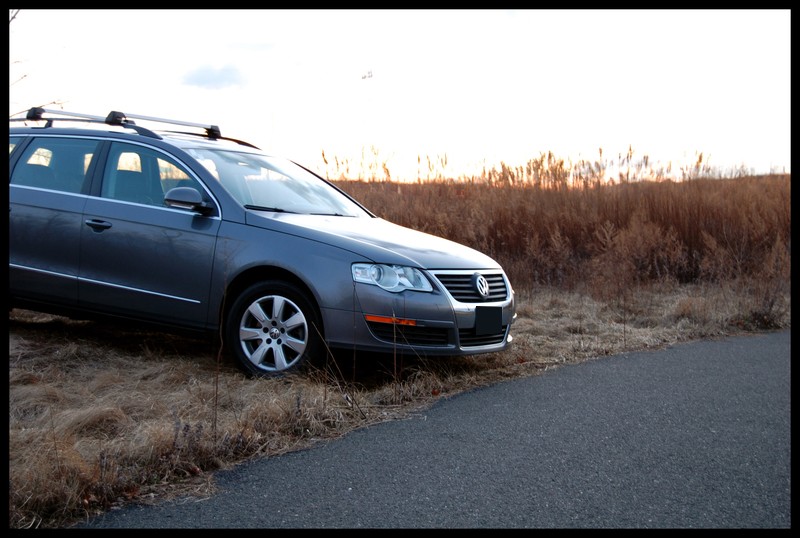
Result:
{"points": [[137, 174]]}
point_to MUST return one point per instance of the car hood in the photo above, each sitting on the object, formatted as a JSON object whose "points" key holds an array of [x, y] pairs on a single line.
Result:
{"points": [[376, 240]]}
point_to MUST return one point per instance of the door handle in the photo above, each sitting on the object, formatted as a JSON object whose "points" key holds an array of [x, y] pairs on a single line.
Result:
{"points": [[98, 225]]}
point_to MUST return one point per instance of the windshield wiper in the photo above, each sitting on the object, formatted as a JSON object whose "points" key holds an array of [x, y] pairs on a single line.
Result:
{"points": [[331, 214], [265, 208]]}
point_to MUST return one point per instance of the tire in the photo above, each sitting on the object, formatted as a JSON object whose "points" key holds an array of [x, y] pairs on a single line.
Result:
{"points": [[272, 329]]}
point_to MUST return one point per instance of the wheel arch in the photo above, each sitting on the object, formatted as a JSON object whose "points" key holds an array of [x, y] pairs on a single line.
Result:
{"points": [[262, 273]]}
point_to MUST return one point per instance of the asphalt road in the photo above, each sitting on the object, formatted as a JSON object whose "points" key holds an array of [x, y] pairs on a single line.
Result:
{"points": [[694, 436]]}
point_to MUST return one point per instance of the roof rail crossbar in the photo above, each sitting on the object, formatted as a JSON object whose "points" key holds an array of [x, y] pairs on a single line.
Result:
{"points": [[211, 130], [35, 114]]}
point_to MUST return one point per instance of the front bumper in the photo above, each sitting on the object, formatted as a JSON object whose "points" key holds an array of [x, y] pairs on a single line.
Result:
{"points": [[452, 320]]}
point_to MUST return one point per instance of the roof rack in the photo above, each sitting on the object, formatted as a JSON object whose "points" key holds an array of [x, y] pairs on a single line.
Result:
{"points": [[114, 118]]}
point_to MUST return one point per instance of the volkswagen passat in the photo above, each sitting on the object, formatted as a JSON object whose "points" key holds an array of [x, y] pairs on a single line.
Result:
{"points": [[194, 230]]}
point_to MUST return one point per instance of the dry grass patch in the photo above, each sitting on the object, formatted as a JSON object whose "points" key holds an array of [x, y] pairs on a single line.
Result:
{"points": [[105, 422]]}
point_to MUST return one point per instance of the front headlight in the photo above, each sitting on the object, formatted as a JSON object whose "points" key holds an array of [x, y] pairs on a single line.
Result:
{"points": [[394, 278]]}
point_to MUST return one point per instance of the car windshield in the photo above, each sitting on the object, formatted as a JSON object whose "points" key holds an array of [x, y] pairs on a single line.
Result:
{"points": [[274, 184]]}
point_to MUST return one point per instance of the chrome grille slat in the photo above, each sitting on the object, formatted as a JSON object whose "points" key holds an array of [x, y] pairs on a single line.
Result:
{"points": [[459, 285]]}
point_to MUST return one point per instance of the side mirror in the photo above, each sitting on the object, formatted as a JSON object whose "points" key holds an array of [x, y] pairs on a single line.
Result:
{"points": [[187, 198]]}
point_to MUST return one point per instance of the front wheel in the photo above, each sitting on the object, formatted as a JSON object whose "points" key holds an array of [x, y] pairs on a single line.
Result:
{"points": [[272, 329]]}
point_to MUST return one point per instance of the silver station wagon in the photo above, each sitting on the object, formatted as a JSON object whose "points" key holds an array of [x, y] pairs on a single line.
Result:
{"points": [[182, 227]]}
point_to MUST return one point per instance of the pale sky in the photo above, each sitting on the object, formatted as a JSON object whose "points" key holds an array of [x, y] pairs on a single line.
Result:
{"points": [[479, 86]]}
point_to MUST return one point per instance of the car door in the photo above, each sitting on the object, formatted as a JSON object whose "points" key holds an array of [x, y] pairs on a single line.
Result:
{"points": [[139, 257], [46, 198]]}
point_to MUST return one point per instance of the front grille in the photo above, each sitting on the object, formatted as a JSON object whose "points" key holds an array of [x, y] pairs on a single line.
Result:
{"points": [[459, 284], [403, 334]]}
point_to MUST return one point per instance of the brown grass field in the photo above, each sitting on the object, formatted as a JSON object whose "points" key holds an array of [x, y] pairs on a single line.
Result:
{"points": [[102, 413]]}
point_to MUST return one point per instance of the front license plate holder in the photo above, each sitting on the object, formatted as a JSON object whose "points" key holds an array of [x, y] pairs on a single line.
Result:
{"points": [[488, 320]]}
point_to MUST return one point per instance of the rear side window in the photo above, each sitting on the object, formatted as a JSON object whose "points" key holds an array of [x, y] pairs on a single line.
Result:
{"points": [[12, 143], [57, 164]]}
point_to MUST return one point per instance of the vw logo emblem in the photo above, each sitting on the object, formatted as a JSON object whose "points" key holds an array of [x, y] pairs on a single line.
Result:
{"points": [[481, 285]]}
